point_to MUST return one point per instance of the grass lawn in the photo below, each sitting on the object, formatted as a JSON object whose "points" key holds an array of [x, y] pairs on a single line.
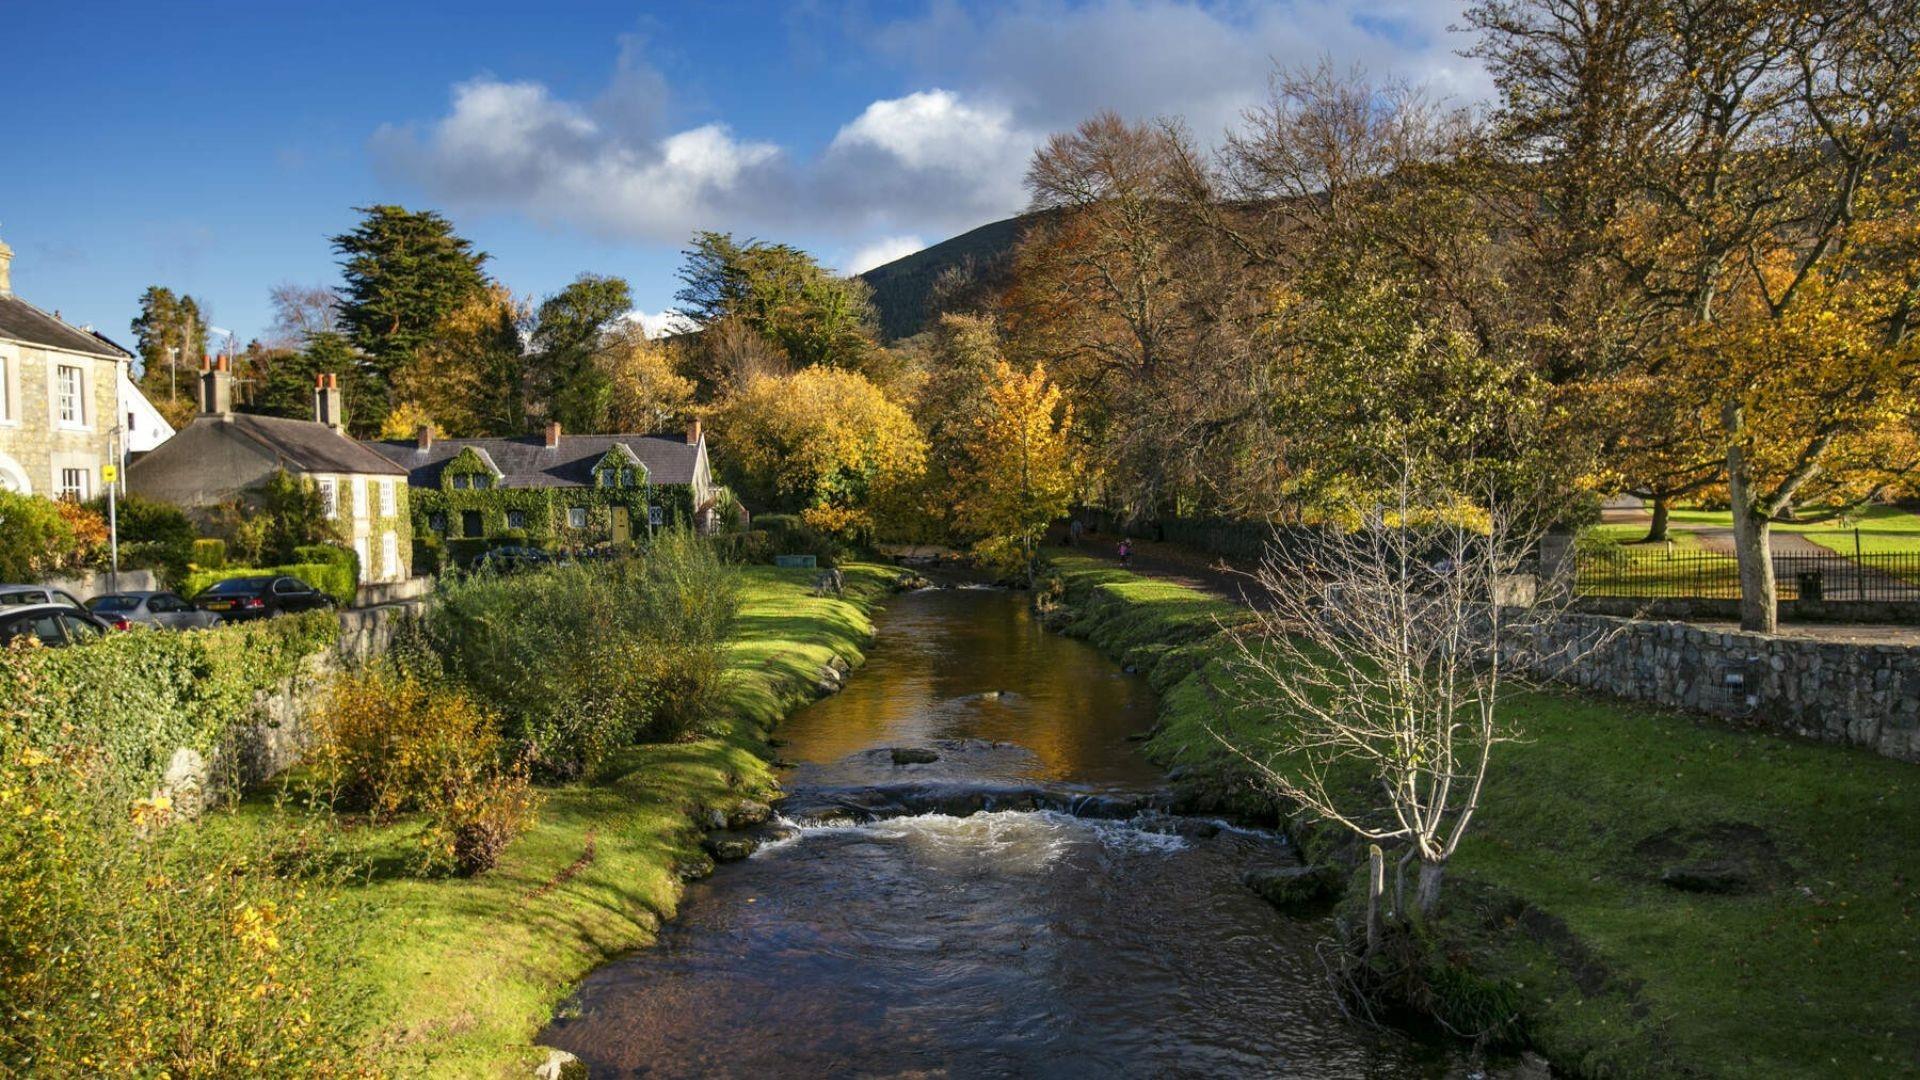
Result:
{"points": [[461, 974], [1556, 890], [1883, 529]]}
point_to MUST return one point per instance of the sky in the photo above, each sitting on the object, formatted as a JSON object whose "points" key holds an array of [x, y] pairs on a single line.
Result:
{"points": [[214, 148]]}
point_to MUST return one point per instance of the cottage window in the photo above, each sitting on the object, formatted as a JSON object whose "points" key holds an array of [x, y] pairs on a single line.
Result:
{"points": [[359, 498], [482, 481], [330, 497], [387, 498], [463, 481], [627, 478], [577, 517], [73, 484], [6, 387], [389, 556], [471, 526], [437, 523], [516, 519], [72, 403], [656, 515]]}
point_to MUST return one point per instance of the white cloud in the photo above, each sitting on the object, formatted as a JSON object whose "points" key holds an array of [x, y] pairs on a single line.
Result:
{"points": [[880, 252], [662, 324]]}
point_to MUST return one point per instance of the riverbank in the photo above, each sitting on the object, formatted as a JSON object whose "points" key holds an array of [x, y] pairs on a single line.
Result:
{"points": [[1555, 897], [459, 975]]}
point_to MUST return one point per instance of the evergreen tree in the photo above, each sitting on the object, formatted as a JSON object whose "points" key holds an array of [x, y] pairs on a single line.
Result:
{"points": [[573, 328], [170, 334]]}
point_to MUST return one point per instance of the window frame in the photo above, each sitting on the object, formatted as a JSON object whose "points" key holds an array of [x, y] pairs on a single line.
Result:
{"points": [[78, 398], [389, 499], [79, 491], [576, 512], [329, 496]]}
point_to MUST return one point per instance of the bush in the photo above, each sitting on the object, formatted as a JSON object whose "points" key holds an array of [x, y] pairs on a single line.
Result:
{"points": [[210, 554], [387, 740], [128, 950], [585, 659], [472, 819], [329, 555], [154, 535], [789, 535], [40, 541]]}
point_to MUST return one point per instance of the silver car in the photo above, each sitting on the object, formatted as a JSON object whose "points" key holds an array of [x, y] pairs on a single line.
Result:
{"points": [[163, 610], [19, 595]]}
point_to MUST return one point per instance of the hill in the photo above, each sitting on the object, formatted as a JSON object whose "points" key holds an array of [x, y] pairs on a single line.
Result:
{"points": [[903, 288]]}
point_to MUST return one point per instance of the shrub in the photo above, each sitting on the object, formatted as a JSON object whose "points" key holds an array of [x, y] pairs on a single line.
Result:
{"points": [[473, 817], [210, 554], [129, 951], [329, 555], [388, 740], [40, 540], [789, 535]]}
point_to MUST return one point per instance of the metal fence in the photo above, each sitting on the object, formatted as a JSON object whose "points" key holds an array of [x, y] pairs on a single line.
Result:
{"points": [[1706, 575]]}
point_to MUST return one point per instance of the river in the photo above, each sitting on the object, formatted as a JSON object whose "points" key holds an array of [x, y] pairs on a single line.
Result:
{"points": [[1005, 942]]}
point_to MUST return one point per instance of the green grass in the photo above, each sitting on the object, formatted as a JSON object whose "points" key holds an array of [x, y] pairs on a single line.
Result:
{"points": [[1817, 975], [461, 974], [1883, 529]]}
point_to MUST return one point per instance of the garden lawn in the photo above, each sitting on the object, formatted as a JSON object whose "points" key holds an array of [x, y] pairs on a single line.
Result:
{"points": [[460, 975], [1556, 892], [1883, 529]]}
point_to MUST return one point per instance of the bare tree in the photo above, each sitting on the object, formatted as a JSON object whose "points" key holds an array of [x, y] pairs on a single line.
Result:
{"points": [[1378, 663], [300, 312]]}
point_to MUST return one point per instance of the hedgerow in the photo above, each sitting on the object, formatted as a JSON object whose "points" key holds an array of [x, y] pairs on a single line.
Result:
{"points": [[337, 579]]}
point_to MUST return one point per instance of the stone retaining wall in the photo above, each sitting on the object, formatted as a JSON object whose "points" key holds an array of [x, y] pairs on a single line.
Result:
{"points": [[1812, 611], [88, 586], [1859, 695]]}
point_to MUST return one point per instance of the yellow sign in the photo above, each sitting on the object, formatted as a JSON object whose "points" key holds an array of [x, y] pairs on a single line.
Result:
{"points": [[109, 473]]}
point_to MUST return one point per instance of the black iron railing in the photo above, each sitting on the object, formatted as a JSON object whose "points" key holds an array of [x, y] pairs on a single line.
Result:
{"points": [[1706, 575]]}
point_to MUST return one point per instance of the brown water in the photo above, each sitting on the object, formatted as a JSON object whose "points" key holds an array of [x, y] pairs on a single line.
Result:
{"points": [[1001, 943]]}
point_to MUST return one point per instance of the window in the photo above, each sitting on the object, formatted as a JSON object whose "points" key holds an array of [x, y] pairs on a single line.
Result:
{"points": [[516, 519], [79, 629], [73, 484], [330, 497], [71, 400], [656, 515], [6, 387], [462, 481], [627, 478], [482, 481], [389, 556], [359, 498], [438, 523], [470, 526], [387, 497], [577, 517]]}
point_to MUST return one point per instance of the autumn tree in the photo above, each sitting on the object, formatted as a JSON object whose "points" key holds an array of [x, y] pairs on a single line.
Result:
{"points": [[405, 272], [468, 378], [631, 385], [1021, 466], [783, 294], [825, 442]]}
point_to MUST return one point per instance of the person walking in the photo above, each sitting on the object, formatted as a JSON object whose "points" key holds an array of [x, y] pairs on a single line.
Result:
{"points": [[1126, 550], [1074, 529]]}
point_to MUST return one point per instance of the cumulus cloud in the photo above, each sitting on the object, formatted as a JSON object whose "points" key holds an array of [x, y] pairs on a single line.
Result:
{"points": [[880, 252], [662, 324]]}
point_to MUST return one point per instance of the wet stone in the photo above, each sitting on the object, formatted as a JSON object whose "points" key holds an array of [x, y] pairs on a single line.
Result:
{"points": [[914, 755], [729, 848], [1294, 888]]}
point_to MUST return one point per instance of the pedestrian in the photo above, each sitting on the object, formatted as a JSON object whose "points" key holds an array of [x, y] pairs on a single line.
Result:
{"points": [[1126, 550], [1074, 529]]}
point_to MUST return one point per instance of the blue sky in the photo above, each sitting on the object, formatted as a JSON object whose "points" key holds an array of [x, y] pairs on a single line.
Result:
{"points": [[214, 148]]}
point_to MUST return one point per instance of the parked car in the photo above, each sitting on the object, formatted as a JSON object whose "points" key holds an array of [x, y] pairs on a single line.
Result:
{"points": [[245, 598], [511, 557], [16, 595], [56, 625], [163, 610]]}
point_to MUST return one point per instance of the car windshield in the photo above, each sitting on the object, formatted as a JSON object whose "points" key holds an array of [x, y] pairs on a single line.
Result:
{"points": [[238, 585], [23, 596], [114, 603]]}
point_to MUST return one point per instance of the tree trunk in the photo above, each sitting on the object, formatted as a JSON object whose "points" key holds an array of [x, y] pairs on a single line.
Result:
{"points": [[1426, 895], [1657, 531], [1376, 886], [1752, 542]]}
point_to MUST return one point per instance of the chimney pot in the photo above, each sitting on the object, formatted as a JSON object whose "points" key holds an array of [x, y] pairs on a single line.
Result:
{"points": [[327, 406], [424, 437], [6, 269], [553, 434], [216, 389]]}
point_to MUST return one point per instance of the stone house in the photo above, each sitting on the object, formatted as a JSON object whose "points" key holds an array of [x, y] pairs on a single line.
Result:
{"points": [[68, 405], [224, 455], [565, 490]]}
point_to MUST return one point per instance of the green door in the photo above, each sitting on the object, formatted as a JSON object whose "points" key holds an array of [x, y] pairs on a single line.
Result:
{"points": [[622, 528]]}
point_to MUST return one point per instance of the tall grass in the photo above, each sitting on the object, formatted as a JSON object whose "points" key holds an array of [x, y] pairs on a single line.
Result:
{"points": [[581, 660]]}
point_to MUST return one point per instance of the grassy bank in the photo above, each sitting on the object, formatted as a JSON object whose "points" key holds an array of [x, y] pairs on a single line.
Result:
{"points": [[1556, 891], [460, 974]]}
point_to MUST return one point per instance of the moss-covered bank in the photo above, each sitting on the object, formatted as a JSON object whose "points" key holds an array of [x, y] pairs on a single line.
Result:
{"points": [[460, 975], [1555, 898]]}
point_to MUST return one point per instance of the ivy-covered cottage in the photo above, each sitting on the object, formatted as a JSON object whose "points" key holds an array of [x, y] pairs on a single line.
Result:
{"points": [[225, 455], [559, 489]]}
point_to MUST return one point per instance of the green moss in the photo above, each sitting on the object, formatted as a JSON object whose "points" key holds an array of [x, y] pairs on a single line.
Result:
{"points": [[1556, 894], [463, 973]]}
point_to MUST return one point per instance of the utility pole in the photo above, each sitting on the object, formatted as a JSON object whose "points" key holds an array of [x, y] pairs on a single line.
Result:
{"points": [[112, 477]]}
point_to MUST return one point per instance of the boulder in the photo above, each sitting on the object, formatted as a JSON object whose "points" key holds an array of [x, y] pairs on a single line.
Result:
{"points": [[747, 813], [561, 1065], [727, 848], [185, 783], [1294, 888], [914, 755], [1711, 876]]}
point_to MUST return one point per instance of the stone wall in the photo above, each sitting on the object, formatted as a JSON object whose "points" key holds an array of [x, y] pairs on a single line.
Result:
{"points": [[1791, 611], [1859, 695], [88, 586]]}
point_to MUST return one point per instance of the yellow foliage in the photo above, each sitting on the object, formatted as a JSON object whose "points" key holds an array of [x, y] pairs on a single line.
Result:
{"points": [[1022, 468]]}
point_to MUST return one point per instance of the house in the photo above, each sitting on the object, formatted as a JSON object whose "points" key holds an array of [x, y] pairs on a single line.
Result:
{"points": [[572, 490], [68, 406], [223, 455]]}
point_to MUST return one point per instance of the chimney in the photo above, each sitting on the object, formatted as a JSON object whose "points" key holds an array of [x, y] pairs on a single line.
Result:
{"points": [[553, 434], [216, 387], [6, 269], [327, 406], [693, 433], [424, 438]]}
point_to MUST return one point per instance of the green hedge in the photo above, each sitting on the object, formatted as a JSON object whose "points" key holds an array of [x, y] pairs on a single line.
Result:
{"points": [[335, 579], [129, 700], [210, 554]]}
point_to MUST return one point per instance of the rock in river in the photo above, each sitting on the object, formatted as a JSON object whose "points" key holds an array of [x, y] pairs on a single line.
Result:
{"points": [[914, 755], [1294, 888], [728, 848]]}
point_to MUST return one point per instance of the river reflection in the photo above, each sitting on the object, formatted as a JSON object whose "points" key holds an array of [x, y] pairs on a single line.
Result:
{"points": [[997, 944]]}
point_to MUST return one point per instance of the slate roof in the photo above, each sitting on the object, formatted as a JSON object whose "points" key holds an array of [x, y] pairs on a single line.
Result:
{"points": [[309, 445], [21, 321], [525, 462]]}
